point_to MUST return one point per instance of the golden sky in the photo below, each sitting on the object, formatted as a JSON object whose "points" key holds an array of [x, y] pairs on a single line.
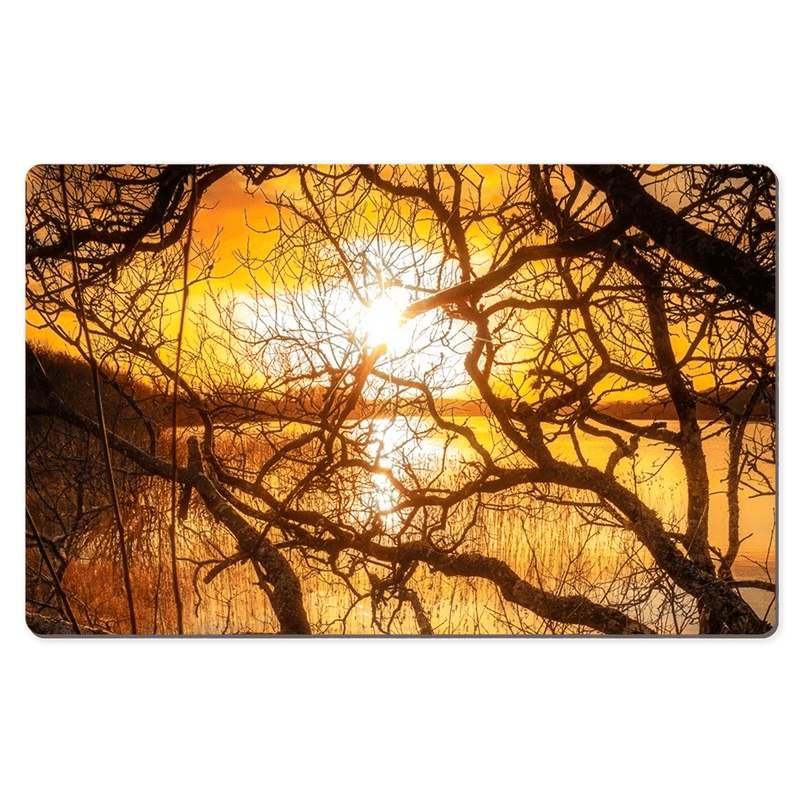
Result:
{"points": [[237, 222]]}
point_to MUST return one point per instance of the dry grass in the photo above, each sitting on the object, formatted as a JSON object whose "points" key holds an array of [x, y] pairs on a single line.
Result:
{"points": [[570, 548]]}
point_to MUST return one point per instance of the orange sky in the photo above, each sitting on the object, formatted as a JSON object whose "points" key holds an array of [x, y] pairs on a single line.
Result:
{"points": [[239, 219]]}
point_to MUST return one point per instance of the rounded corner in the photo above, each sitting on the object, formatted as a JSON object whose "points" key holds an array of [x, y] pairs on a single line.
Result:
{"points": [[38, 165], [771, 632], [30, 626], [771, 171]]}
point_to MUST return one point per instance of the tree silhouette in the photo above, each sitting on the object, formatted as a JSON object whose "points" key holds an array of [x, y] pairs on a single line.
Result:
{"points": [[433, 386]]}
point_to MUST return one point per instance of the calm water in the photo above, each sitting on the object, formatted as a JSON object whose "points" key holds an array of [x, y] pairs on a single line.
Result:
{"points": [[556, 538], [658, 474]]}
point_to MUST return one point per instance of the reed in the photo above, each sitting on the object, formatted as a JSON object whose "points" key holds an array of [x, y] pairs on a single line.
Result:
{"points": [[568, 547]]}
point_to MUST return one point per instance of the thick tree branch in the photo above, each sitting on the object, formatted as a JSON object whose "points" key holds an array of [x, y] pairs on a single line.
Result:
{"points": [[567, 609], [286, 598], [738, 272], [472, 290], [717, 596]]}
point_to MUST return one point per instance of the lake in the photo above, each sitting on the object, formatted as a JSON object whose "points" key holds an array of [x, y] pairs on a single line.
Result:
{"points": [[552, 545]]}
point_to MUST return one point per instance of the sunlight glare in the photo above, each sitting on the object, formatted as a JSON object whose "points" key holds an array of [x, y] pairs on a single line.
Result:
{"points": [[383, 323]]}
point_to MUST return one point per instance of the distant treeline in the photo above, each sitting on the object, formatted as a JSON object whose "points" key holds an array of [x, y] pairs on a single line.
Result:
{"points": [[732, 401], [726, 401], [128, 400], [71, 379]]}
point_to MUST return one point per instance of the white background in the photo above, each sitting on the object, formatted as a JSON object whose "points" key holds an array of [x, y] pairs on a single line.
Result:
{"points": [[416, 81]]}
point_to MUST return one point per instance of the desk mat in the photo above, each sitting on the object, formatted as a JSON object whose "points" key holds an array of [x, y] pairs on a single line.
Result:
{"points": [[409, 400]]}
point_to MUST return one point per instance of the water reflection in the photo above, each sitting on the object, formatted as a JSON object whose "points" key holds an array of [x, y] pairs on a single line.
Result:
{"points": [[558, 546]]}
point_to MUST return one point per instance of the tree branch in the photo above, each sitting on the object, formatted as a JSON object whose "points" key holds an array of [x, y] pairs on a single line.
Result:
{"points": [[738, 272]]}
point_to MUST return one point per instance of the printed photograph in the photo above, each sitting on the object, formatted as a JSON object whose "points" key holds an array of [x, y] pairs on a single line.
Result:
{"points": [[414, 400]]}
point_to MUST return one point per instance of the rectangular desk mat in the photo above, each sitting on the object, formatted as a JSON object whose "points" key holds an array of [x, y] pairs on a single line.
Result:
{"points": [[407, 400]]}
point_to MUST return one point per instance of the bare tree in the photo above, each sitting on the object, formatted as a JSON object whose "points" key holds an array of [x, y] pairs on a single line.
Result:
{"points": [[454, 396]]}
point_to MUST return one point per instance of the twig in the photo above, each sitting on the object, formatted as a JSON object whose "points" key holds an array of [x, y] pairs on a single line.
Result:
{"points": [[56, 582], [81, 313]]}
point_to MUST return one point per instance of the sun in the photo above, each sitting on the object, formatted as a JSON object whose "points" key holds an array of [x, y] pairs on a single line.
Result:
{"points": [[328, 324], [382, 322]]}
